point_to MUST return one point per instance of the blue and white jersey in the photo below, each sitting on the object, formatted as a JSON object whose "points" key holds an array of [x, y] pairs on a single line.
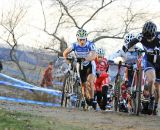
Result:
{"points": [[83, 51]]}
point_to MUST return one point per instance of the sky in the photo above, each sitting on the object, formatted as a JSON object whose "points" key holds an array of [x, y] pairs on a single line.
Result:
{"points": [[33, 21]]}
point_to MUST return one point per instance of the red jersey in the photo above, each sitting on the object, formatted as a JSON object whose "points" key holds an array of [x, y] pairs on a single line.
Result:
{"points": [[101, 65]]}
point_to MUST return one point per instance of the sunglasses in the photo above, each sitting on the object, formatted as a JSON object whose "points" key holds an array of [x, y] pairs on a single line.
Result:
{"points": [[82, 39]]}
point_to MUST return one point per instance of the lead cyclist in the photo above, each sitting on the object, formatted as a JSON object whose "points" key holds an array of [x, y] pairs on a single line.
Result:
{"points": [[150, 39], [86, 51]]}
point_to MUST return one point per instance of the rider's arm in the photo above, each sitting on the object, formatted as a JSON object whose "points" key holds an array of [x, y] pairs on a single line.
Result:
{"points": [[133, 42], [91, 56], [66, 52]]}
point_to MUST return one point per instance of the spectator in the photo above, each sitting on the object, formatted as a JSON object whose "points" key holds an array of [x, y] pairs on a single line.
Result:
{"points": [[47, 77], [1, 66]]}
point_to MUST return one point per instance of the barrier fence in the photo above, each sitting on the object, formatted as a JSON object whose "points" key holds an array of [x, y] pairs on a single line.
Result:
{"points": [[24, 89]]}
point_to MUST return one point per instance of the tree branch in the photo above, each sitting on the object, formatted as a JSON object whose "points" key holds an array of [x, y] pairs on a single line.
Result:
{"points": [[66, 10]]}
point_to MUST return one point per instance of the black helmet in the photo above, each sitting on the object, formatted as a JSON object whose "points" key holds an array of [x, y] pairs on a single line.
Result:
{"points": [[149, 30]]}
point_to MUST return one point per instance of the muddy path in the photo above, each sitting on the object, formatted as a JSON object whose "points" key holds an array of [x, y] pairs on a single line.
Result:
{"points": [[87, 120]]}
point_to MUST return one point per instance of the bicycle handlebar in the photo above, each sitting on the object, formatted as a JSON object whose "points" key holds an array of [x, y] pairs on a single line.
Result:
{"points": [[156, 51], [110, 62]]}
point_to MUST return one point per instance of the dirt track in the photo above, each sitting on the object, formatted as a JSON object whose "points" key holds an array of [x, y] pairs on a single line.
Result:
{"points": [[88, 120]]}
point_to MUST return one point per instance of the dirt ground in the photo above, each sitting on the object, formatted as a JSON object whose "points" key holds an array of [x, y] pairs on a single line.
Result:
{"points": [[88, 120]]}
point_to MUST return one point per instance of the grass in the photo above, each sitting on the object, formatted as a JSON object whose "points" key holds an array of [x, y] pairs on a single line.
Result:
{"points": [[22, 121]]}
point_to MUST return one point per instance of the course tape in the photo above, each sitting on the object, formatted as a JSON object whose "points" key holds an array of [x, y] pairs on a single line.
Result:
{"points": [[10, 79], [49, 91], [29, 101], [7, 80]]}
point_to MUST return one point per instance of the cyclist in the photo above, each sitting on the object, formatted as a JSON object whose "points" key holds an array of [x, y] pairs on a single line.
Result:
{"points": [[150, 40], [85, 52], [102, 81]]}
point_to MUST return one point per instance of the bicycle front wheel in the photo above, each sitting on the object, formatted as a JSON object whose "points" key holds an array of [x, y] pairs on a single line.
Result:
{"points": [[137, 94], [67, 90]]}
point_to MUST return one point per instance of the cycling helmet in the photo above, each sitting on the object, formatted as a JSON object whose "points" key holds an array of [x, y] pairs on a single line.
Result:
{"points": [[100, 52], [149, 30], [128, 37], [81, 34]]}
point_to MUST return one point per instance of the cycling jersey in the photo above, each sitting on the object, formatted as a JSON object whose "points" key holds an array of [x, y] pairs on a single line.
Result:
{"points": [[148, 46], [83, 51], [150, 61], [103, 79]]}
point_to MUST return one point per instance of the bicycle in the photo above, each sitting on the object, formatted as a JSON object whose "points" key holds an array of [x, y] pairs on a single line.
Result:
{"points": [[71, 92], [137, 84], [117, 83]]}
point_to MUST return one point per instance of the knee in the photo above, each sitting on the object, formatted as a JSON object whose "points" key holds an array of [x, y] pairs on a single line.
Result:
{"points": [[150, 76], [91, 79]]}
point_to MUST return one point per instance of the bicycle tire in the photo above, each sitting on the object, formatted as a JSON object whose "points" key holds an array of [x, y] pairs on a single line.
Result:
{"points": [[117, 93], [67, 88], [71, 86], [136, 97], [139, 92]]}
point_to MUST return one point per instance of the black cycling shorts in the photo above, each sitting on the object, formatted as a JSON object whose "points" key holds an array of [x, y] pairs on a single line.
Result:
{"points": [[85, 72]]}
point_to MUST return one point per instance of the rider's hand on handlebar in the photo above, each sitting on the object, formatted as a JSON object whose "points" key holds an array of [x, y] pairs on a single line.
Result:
{"points": [[67, 61]]}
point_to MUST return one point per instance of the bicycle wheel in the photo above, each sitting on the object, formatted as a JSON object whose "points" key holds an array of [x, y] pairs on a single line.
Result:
{"points": [[137, 94], [117, 93], [77, 92], [67, 90]]}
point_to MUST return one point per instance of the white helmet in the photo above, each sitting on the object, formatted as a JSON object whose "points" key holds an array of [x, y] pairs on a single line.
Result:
{"points": [[100, 52], [128, 37]]}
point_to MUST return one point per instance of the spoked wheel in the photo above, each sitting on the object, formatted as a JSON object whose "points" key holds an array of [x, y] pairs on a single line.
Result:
{"points": [[78, 94], [67, 90], [136, 97], [117, 94], [71, 93]]}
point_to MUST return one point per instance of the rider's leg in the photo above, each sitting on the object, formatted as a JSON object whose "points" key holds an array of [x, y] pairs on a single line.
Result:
{"points": [[157, 85], [83, 87], [90, 86], [150, 77], [104, 94], [99, 98]]}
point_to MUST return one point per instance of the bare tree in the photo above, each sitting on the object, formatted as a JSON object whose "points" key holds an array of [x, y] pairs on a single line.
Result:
{"points": [[9, 23], [61, 41], [72, 15]]}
